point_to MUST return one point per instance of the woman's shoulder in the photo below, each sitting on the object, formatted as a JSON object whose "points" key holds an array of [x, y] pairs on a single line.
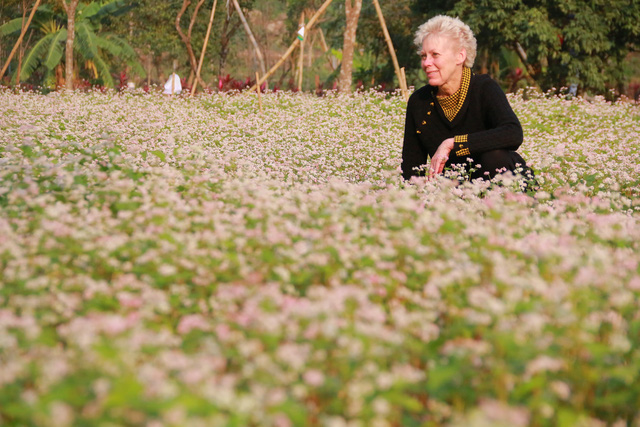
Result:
{"points": [[483, 80], [485, 86], [425, 92]]}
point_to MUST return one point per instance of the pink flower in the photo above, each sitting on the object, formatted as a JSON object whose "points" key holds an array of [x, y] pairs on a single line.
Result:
{"points": [[129, 300], [223, 331], [634, 283], [313, 377], [281, 420], [114, 324], [192, 321], [500, 412], [544, 363]]}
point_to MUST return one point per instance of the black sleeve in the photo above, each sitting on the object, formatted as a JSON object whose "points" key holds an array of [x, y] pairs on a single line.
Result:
{"points": [[503, 129], [413, 154]]}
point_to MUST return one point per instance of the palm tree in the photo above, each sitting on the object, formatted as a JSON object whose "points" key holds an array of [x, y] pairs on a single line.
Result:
{"points": [[94, 47]]}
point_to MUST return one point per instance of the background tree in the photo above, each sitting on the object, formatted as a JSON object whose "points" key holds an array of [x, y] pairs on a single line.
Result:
{"points": [[25, 23], [373, 66], [150, 29], [24, 27], [70, 8], [186, 38], [352, 12], [554, 44], [152, 32], [252, 39], [560, 43], [94, 46], [230, 26]]}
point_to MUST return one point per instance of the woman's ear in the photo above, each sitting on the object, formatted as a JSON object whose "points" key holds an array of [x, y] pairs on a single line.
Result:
{"points": [[462, 56]]}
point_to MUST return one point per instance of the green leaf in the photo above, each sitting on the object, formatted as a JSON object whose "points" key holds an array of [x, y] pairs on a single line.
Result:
{"points": [[568, 418], [404, 401], [11, 405], [103, 71], [86, 40], [107, 45], [73, 390], [88, 11], [33, 58], [441, 377], [56, 50], [112, 8], [27, 151], [126, 206], [13, 26], [159, 154], [113, 44], [296, 412], [125, 391]]}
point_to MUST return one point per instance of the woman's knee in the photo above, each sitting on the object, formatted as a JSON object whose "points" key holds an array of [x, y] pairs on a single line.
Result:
{"points": [[498, 161], [494, 162]]}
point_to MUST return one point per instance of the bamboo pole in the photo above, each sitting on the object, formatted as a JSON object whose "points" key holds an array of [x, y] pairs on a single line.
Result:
{"points": [[20, 50], [325, 48], [405, 91], [22, 33], [277, 65], [259, 94], [301, 58], [251, 37], [392, 51], [204, 47]]}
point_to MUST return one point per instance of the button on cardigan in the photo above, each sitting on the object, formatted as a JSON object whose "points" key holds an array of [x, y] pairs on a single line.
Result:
{"points": [[484, 122]]}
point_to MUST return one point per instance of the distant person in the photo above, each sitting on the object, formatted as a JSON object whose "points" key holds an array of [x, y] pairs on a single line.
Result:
{"points": [[459, 115], [173, 85]]}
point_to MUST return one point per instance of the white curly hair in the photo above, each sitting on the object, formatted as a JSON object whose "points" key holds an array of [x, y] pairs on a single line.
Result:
{"points": [[453, 28]]}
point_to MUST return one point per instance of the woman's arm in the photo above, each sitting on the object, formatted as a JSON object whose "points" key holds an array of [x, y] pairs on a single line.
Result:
{"points": [[503, 129], [413, 154]]}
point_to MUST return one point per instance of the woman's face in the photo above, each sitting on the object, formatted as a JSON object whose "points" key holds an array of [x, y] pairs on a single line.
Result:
{"points": [[441, 59]]}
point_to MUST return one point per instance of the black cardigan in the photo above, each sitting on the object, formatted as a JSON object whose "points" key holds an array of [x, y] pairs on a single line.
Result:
{"points": [[485, 122]]}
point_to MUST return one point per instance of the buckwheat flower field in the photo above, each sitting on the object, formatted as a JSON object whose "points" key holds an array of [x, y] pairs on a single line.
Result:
{"points": [[191, 262]]}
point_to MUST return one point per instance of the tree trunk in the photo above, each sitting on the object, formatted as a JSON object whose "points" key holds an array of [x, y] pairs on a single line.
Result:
{"points": [[224, 43], [59, 76], [228, 31], [484, 69], [186, 38], [70, 8], [533, 74], [352, 8], [252, 39]]}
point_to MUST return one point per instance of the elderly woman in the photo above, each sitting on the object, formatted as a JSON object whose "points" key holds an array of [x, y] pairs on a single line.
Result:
{"points": [[459, 117]]}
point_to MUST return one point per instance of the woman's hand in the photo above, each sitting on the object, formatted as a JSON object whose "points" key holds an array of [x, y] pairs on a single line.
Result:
{"points": [[439, 159]]}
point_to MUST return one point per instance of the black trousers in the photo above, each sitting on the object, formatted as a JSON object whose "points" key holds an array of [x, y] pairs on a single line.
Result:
{"points": [[498, 161]]}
